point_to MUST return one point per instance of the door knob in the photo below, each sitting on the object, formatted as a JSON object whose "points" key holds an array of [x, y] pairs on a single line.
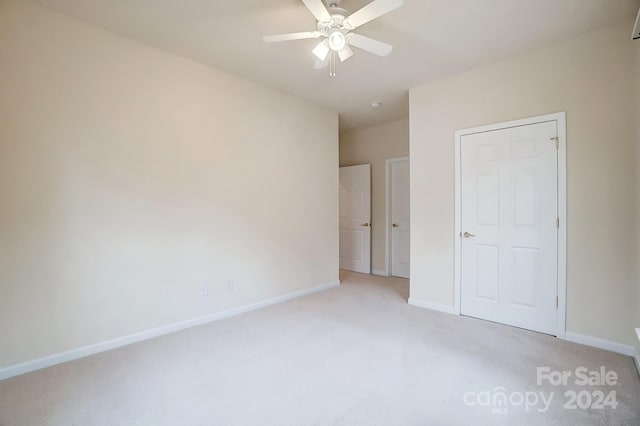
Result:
{"points": [[395, 225], [366, 224], [468, 235]]}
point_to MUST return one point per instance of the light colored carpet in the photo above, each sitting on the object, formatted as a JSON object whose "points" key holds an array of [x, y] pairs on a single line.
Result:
{"points": [[355, 355]]}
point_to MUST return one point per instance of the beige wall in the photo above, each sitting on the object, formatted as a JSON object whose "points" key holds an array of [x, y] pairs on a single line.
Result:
{"points": [[374, 145], [130, 177], [591, 79]]}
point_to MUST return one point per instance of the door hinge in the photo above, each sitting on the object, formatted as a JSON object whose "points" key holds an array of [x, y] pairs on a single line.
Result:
{"points": [[558, 222], [556, 140]]}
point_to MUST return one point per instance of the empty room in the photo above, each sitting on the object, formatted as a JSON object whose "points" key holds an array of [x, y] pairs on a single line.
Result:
{"points": [[320, 212]]}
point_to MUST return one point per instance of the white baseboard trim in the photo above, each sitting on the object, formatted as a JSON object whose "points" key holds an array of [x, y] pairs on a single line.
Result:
{"points": [[600, 343], [379, 272], [433, 306], [637, 354], [51, 360]]}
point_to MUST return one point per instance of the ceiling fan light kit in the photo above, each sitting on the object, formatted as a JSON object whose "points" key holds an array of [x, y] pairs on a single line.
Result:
{"points": [[337, 41], [335, 27], [322, 50]]}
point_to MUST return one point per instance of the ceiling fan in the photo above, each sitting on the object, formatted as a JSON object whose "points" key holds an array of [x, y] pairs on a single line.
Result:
{"points": [[335, 28]]}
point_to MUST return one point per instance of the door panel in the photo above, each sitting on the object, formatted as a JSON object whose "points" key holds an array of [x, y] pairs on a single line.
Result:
{"points": [[355, 218], [509, 211], [487, 271], [400, 226], [488, 198], [526, 265]]}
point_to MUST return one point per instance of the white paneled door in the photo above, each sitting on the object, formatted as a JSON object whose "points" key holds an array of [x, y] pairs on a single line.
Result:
{"points": [[399, 209], [509, 234], [355, 218]]}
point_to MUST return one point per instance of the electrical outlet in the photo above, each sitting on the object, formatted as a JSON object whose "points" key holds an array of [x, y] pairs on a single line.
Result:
{"points": [[231, 285], [204, 291]]}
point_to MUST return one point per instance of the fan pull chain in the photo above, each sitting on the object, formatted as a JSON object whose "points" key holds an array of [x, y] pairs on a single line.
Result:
{"points": [[332, 64]]}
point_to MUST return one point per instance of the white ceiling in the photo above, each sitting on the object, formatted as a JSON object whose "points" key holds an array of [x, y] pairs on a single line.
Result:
{"points": [[432, 39]]}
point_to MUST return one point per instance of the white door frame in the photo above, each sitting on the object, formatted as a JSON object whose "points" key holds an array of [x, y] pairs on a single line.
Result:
{"points": [[560, 118], [387, 212]]}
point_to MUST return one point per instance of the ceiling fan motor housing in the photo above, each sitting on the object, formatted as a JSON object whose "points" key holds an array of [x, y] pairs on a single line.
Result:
{"points": [[338, 22]]}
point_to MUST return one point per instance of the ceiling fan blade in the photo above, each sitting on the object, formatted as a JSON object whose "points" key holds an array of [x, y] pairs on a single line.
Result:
{"points": [[370, 45], [317, 9], [373, 10], [291, 36], [321, 64], [345, 53]]}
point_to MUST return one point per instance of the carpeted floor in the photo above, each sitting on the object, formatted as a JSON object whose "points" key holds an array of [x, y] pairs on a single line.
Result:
{"points": [[355, 355]]}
